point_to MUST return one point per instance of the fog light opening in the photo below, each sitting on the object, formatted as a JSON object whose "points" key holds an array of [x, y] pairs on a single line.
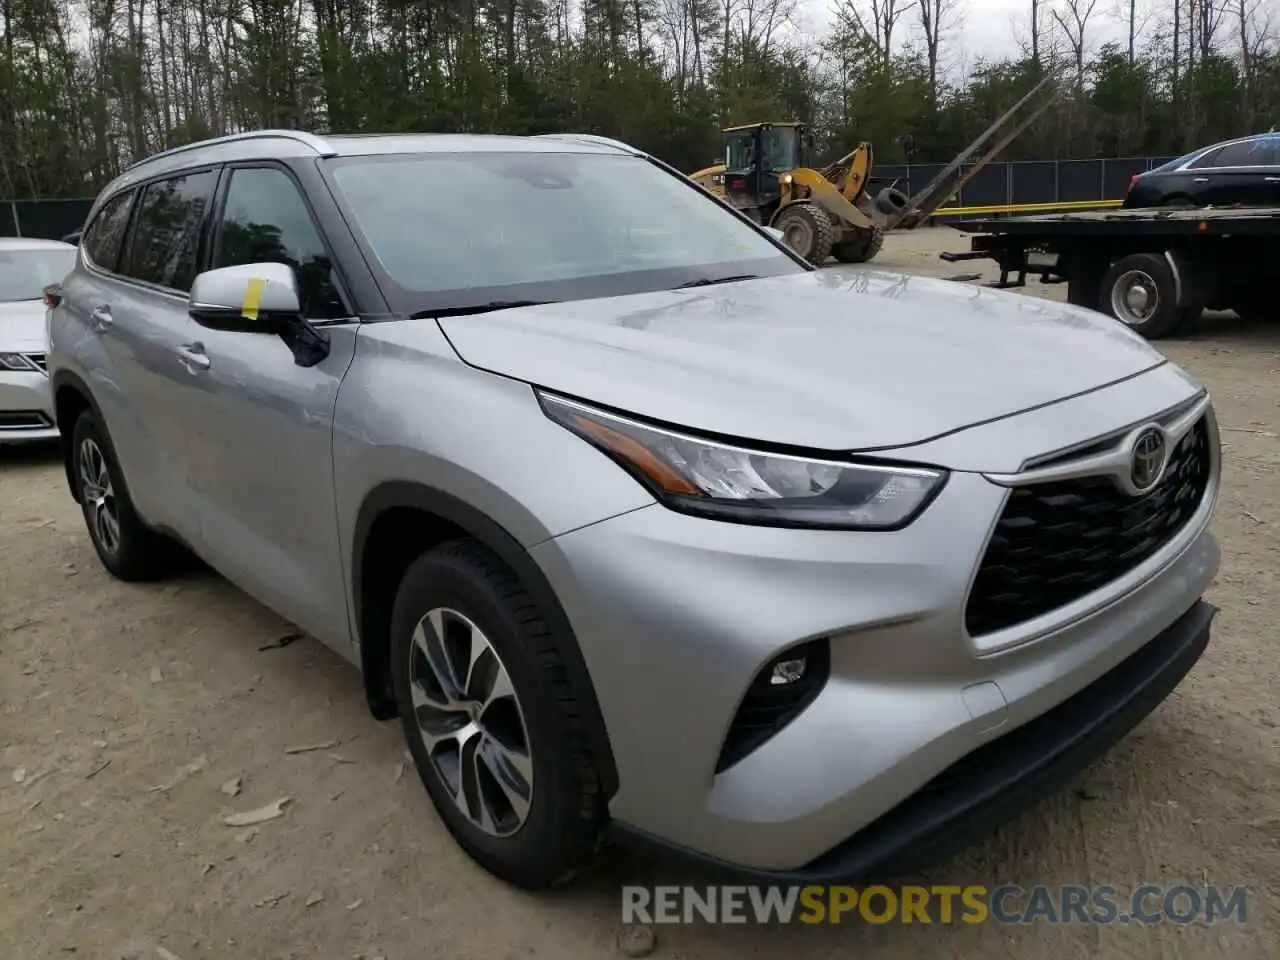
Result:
{"points": [[787, 671], [778, 694]]}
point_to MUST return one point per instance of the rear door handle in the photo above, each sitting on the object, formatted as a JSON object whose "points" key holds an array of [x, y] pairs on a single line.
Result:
{"points": [[1199, 179], [100, 317], [1272, 179], [193, 357]]}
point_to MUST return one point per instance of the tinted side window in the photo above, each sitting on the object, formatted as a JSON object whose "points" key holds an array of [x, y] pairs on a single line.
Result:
{"points": [[1249, 153], [165, 240], [105, 236], [265, 220], [1207, 159]]}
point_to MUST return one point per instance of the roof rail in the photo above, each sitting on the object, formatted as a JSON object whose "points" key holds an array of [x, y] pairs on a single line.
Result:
{"points": [[588, 138], [299, 136]]}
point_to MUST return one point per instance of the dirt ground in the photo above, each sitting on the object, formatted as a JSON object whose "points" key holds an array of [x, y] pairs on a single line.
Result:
{"points": [[125, 709]]}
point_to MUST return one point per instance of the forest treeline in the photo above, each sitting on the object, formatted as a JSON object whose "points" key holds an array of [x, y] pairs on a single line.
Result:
{"points": [[88, 86]]}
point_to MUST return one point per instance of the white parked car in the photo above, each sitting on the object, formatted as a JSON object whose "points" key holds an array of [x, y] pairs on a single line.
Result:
{"points": [[27, 266]]}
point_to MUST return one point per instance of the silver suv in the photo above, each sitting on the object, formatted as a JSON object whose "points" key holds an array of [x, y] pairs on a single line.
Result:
{"points": [[635, 520]]}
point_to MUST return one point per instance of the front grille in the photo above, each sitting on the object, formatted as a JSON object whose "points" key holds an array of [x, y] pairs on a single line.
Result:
{"points": [[39, 360], [1057, 542]]}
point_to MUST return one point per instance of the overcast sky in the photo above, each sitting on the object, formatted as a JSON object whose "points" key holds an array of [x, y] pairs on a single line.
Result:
{"points": [[986, 28]]}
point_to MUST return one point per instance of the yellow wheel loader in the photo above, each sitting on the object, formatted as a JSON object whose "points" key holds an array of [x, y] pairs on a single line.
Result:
{"points": [[765, 173]]}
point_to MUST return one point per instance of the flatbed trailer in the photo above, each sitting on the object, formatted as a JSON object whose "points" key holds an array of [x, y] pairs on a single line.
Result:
{"points": [[1155, 270]]}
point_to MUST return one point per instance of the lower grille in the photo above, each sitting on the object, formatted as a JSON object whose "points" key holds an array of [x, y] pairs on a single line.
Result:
{"points": [[24, 420], [1057, 542]]}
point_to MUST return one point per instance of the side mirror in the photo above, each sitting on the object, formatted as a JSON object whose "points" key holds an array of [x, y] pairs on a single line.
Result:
{"points": [[776, 234], [250, 298]]}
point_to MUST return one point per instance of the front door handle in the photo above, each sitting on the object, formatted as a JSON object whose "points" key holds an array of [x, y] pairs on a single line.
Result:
{"points": [[100, 317], [1272, 179], [193, 357], [1199, 179]]}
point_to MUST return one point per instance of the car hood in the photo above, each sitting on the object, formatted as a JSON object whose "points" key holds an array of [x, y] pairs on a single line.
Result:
{"points": [[22, 327], [831, 359]]}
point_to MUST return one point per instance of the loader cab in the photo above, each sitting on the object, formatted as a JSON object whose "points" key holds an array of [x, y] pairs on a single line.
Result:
{"points": [[755, 155]]}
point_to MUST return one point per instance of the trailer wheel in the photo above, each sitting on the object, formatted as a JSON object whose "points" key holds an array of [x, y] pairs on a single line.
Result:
{"points": [[1139, 291], [807, 230]]}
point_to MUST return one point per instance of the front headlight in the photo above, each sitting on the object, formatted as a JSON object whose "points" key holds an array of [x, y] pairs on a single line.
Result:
{"points": [[17, 362], [726, 482]]}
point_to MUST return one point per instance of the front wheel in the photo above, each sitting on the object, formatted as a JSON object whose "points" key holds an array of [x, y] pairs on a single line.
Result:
{"points": [[808, 231], [494, 728]]}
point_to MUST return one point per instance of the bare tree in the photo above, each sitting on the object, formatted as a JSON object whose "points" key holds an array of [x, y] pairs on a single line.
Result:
{"points": [[876, 19], [935, 16], [1135, 17], [1208, 15], [1072, 18]]}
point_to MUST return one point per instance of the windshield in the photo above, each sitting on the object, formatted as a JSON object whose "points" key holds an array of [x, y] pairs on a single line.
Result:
{"points": [[452, 230], [25, 273], [778, 144]]}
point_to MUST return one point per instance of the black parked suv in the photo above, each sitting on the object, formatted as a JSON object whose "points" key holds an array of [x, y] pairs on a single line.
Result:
{"points": [[1244, 171]]}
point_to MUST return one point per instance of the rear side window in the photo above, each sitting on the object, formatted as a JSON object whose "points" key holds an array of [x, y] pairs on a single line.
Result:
{"points": [[165, 244], [105, 236], [1247, 153]]}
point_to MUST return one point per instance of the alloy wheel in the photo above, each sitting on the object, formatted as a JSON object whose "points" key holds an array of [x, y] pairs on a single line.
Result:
{"points": [[471, 721], [97, 493], [1135, 298]]}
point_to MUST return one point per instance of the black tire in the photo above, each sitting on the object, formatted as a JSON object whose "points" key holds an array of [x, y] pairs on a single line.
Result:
{"points": [[1153, 275], [891, 200], [862, 249], [808, 231], [1178, 202], [136, 553], [562, 828]]}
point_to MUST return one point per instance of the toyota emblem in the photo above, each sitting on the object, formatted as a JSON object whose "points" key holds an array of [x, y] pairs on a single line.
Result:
{"points": [[1148, 459]]}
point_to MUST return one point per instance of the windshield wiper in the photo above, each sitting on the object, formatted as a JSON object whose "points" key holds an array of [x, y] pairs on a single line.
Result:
{"points": [[476, 308], [708, 281]]}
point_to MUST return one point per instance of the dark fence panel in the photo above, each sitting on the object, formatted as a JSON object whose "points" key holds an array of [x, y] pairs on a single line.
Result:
{"points": [[42, 219], [1080, 180], [53, 219], [1118, 173], [989, 188], [1032, 182]]}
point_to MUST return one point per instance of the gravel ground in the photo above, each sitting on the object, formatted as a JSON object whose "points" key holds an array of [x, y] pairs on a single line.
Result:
{"points": [[125, 710]]}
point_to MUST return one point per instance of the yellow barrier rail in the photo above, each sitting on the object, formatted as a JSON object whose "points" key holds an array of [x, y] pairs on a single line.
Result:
{"points": [[1029, 207]]}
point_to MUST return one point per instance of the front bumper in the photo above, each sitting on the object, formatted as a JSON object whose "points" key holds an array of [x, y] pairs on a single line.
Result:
{"points": [[979, 792], [26, 408], [676, 615]]}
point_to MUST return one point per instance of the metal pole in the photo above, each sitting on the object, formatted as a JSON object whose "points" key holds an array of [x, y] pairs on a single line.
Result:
{"points": [[17, 226]]}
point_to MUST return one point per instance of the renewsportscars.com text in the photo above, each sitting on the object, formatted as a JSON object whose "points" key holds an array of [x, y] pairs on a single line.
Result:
{"points": [[1007, 904]]}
